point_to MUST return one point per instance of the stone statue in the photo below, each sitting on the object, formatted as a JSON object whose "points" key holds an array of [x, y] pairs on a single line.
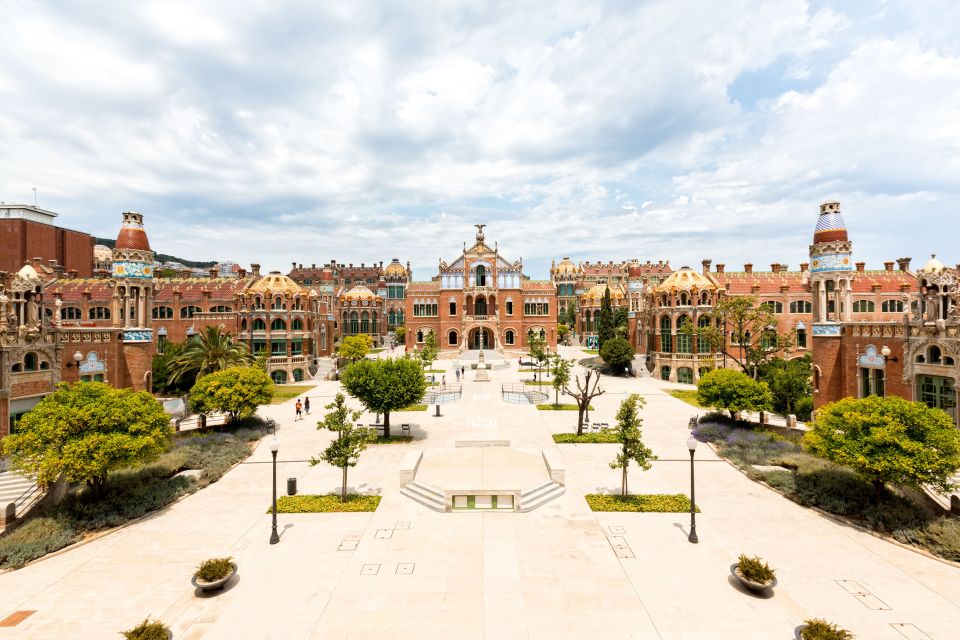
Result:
{"points": [[5, 311], [32, 314]]}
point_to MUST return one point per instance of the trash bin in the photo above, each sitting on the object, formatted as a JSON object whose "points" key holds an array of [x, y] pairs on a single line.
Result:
{"points": [[291, 486]]}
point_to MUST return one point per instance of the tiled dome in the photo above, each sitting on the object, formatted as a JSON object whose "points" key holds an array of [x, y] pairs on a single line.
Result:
{"points": [[830, 225], [596, 293], [276, 282], [686, 279], [566, 267], [396, 269], [359, 292]]}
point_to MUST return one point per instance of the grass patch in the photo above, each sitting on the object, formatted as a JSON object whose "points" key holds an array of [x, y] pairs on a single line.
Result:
{"points": [[128, 494], [330, 503], [687, 395], [434, 370], [648, 502], [559, 407], [413, 407], [601, 437], [593, 352], [394, 439], [282, 394], [545, 383], [377, 350]]}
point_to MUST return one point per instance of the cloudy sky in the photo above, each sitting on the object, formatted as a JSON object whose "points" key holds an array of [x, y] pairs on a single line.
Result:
{"points": [[282, 132]]}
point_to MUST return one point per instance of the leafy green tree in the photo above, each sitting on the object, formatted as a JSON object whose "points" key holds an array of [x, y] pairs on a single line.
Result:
{"points": [[789, 382], [86, 430], [584, 395], [344, 452], [617, 353], [571, 319], [629, 436], [162, 367], [356, 347], [236, 390], [213, 350], [537, 348], [888, 440], [561, 376], [733, 391], [400, 333], [606, 330], [753, 336], [430, 350], [621, 319], [385, 385], [562, 332]]}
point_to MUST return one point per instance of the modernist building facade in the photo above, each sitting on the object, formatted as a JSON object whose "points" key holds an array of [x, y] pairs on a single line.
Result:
{"points": [[481, 300]]}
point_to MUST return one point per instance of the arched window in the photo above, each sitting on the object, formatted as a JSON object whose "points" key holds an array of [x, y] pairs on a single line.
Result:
{"points": [[773, 306], [220, 308], [297, 304], [419, 335], [162, 313], [685, 375], [99, 313], [508, 337], [354, 322], [666, 340], [259, 324], [452, 338], [243, 325], [683, 299], [258, 303], [703, 344], [480, 275], [801, 306], [705, 299], [543, 334], [297, 325], [277, 304], [365, 322], [864, 306], [684, 340], [935, 355], [278, 325], [70, 313], [892, 306], [189, 311], [30, 362]]}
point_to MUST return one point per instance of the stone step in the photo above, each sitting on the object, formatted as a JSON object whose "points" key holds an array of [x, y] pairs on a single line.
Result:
{"points": [[554, 492], [426, 489], [428, 500], [536, 489]]}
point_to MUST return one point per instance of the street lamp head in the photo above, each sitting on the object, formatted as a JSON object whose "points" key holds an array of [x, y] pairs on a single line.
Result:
{"points": [[78, 356], [692, 444], [274, 444], [885, 351]]}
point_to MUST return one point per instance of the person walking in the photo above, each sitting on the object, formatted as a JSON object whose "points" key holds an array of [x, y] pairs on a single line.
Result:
{"points": [[306, 405], [443, 381], [458, 373], [299, 410]]}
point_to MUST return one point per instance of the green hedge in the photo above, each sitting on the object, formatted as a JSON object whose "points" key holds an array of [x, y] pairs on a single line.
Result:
{"points": [[559, 407], [413, 407], [650, 502], [325, 503], [603, 437], [394, 439]]}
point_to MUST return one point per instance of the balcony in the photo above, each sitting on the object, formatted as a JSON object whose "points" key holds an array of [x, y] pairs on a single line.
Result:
{"points": [[480, 317]]}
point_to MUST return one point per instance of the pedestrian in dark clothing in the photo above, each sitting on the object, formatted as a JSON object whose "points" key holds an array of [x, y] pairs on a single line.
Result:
{"points": [[306, 405]]}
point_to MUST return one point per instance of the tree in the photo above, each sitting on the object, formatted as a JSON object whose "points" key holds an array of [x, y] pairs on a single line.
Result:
{"points": [[617, 353], [621, 319], [628, 435], [385, 385], [537, 348], [888, 440], [162, 368], [561, 376], [237, 391], [356, 347], [351, 440], [400, 333], [789, 382], [562, 331], [606, 330], [430, 350], [86, 430], [213, 350], [733, 391], [571, 319], [584, 395], [754, 338]]}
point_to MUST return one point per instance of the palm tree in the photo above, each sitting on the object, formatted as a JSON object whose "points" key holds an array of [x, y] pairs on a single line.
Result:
{"points": [[212, 351]]}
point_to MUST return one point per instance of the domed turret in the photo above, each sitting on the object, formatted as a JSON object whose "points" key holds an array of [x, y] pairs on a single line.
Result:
{"points": [[132, 234], [933, 265], [360, 293], [830, 225], [594, 295], [395, 269], [275, 282], [686, 279], [566, 268]]}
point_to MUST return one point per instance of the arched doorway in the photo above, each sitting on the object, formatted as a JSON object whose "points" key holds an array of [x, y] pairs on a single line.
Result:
{"points": [[480, 306], [481, 338]]}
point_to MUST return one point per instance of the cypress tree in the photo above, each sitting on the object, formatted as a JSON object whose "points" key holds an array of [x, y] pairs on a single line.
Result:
{"points": [[606, 329]]}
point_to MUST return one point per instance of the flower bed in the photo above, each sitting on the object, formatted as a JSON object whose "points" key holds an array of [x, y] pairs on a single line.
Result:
{"points": [[649, 502], [325, 503], [602, 437]]}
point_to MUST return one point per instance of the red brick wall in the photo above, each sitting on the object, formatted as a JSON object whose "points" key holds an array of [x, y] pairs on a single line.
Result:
{"points": [[23, 240], [838, 361]]}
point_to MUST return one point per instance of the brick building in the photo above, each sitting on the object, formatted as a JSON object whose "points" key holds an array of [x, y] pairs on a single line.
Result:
{"points": [[28, 233], [481, 300]]}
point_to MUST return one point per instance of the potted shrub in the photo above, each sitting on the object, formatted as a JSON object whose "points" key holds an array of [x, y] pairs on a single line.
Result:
{"points": [[149, 630], [820, 629], [754, 574], [213, 574]]}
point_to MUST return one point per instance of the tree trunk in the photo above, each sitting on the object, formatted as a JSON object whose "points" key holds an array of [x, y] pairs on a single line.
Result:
{"points": [[623, 482], [386, 424], [877, 490], [97, 485], [579, 419], [556, 397], [343, 489]]}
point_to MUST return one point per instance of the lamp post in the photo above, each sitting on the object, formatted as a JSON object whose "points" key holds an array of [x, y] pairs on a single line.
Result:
{"points": [[77, 357], [692, 446], [274, 447]]}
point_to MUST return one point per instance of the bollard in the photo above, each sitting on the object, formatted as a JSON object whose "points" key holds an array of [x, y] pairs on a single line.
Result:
{"points": [[792, 421], [291, 486]]}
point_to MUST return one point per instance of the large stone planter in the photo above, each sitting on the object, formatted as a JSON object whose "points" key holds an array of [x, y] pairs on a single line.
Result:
{"points": [[755, 587], [798, 631], [216, 585]]}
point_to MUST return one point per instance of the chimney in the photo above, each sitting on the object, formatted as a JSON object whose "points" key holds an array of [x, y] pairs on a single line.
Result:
{"points": [[804, 266], [720, 267], [313, 266], [58, 269], [255, 269], [888, 265], [706, 265], [214, 272], [748, 267], [755, 289], [775, 267], [904, 263], [860, 266], [72, 274], [241, 273], [294, 265]]}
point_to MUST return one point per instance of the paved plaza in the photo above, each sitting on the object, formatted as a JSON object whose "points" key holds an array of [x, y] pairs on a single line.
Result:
{"points": [[558, 572]]}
